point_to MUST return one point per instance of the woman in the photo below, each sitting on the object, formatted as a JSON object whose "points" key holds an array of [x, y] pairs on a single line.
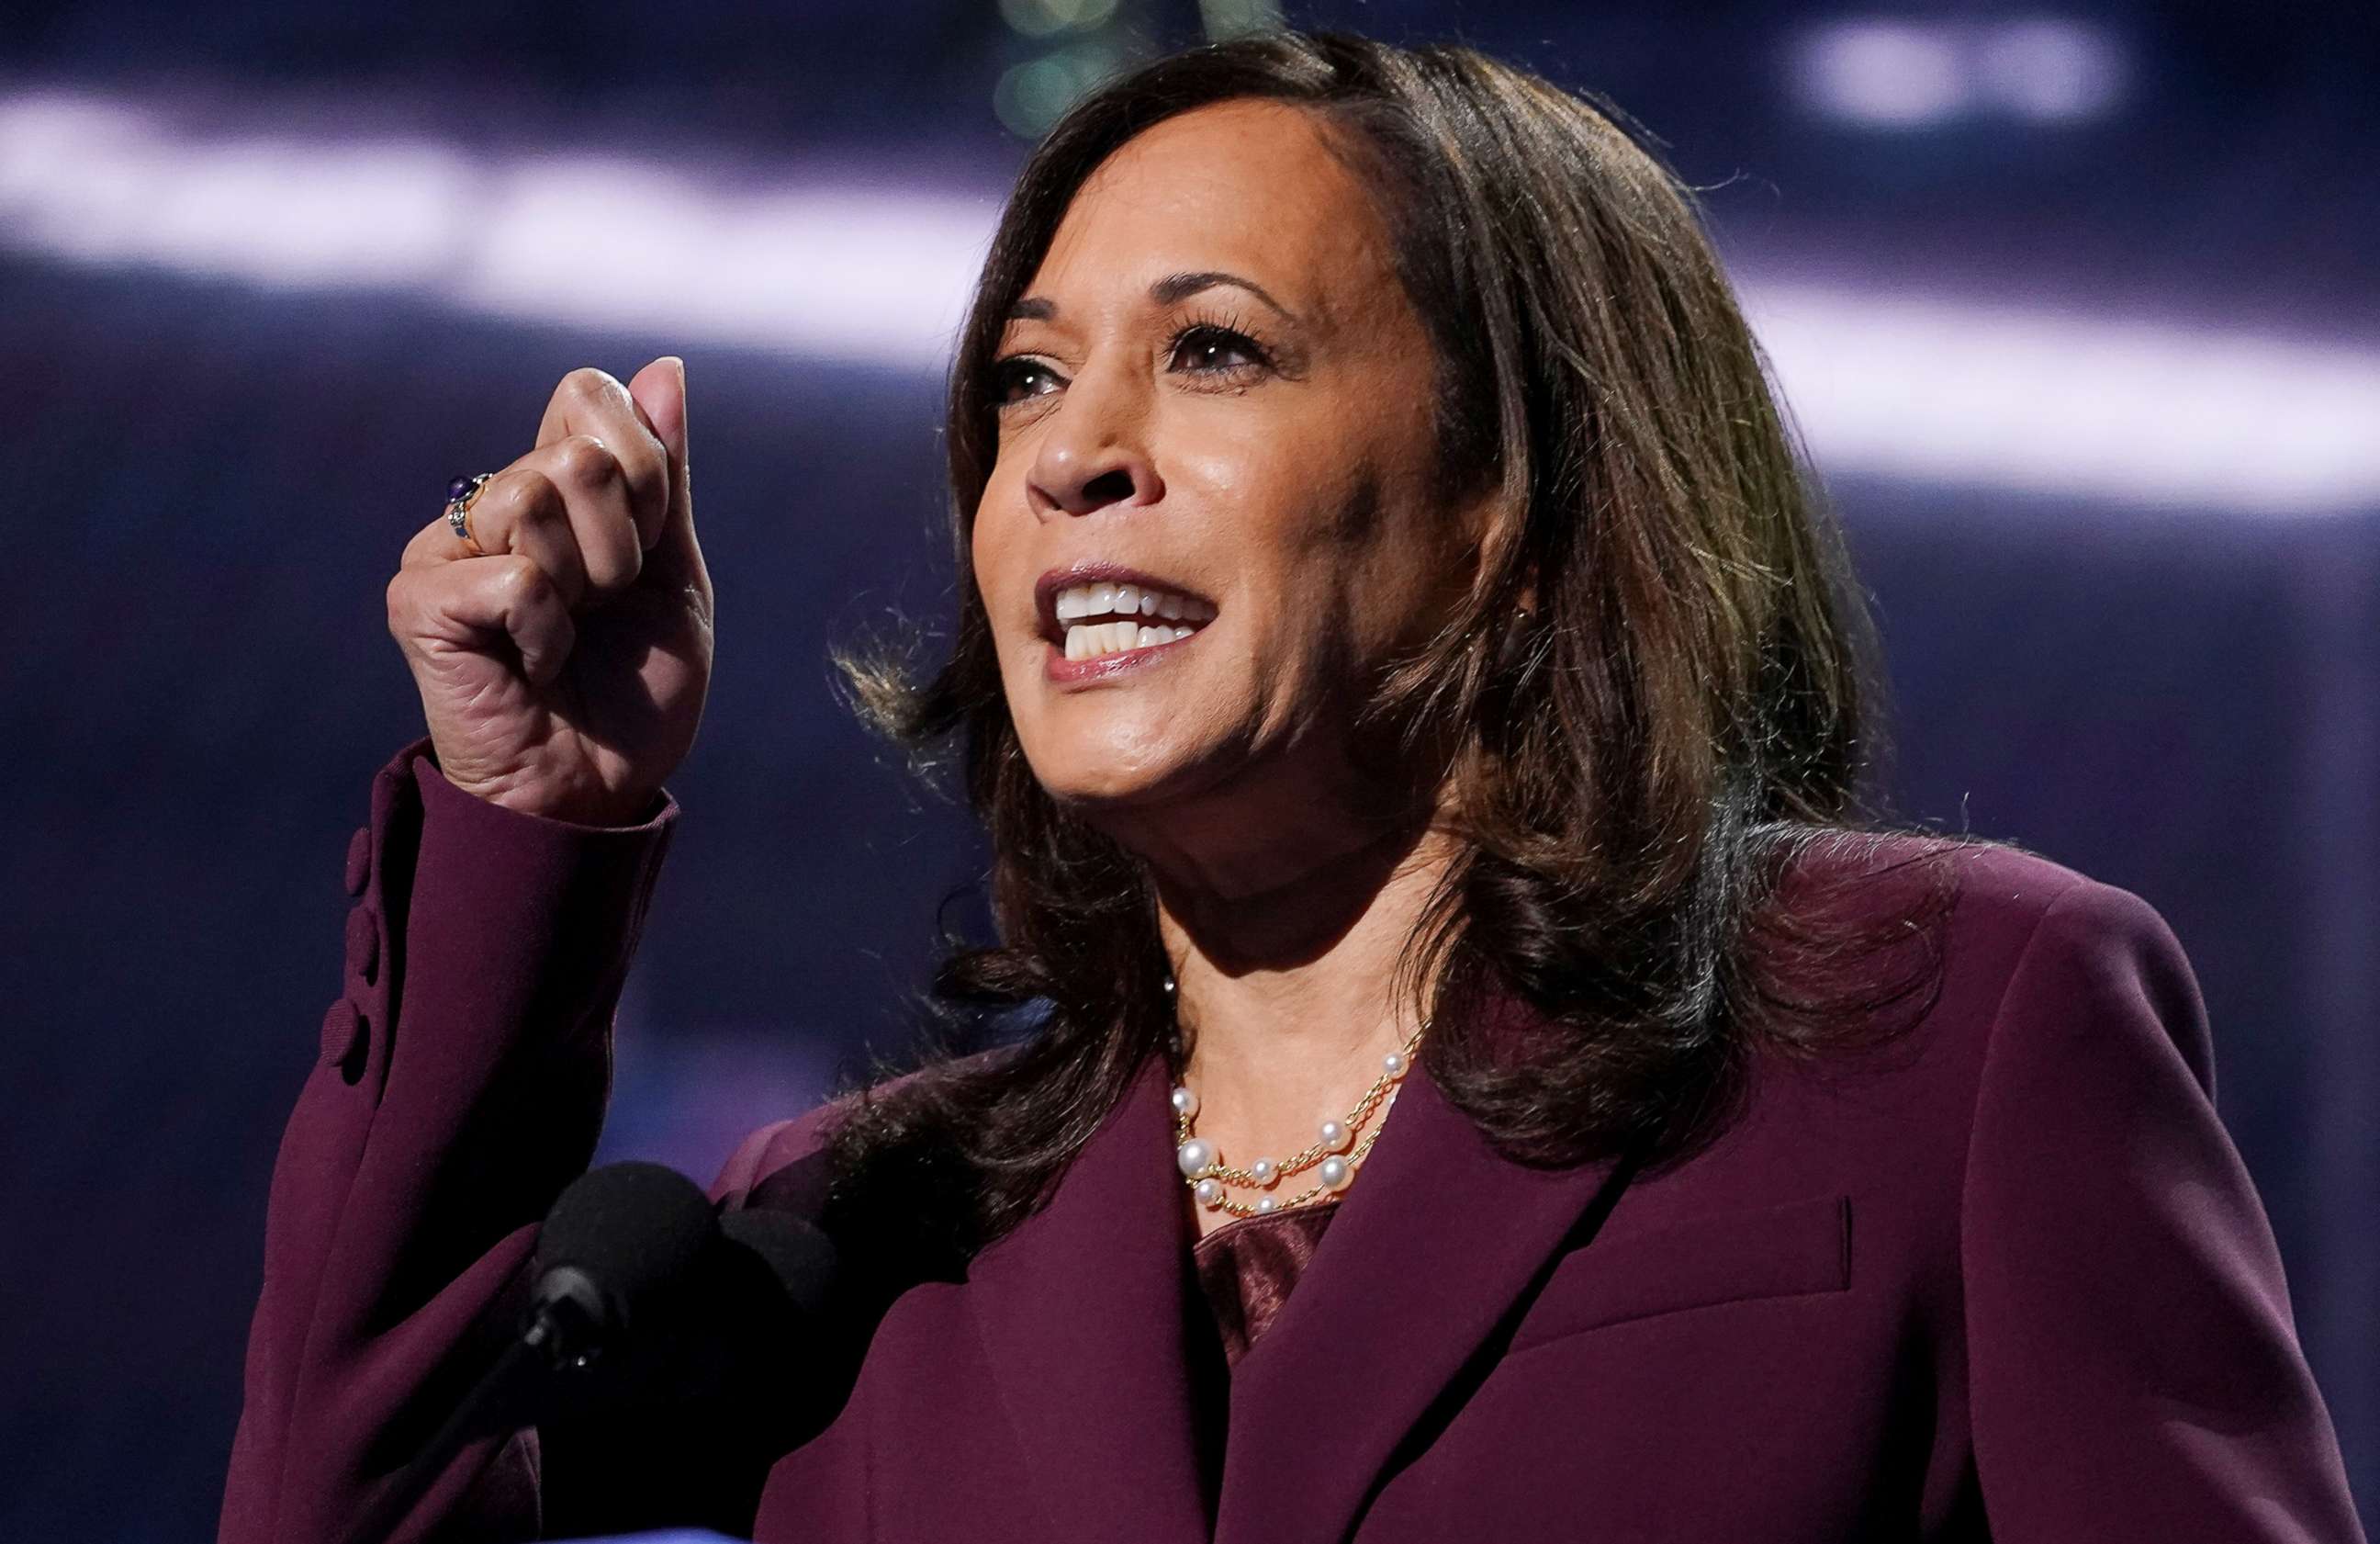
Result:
{"points": [[1416, 706]]}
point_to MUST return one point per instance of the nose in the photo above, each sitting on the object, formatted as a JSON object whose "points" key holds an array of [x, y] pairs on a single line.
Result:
{"points": [[1091, 456]]}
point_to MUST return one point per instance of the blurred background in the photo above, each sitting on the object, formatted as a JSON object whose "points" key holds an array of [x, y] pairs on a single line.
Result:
{"points": [[2074, 302]]}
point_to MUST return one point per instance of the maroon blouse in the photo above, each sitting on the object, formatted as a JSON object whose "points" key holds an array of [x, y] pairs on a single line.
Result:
{"points": [[1248, 1266]]}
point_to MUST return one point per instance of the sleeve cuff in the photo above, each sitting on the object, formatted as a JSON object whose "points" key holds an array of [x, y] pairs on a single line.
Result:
{"points": [[520, 925]]}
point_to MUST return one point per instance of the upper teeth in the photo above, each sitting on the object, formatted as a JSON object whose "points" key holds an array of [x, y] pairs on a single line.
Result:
{"points": [[1081, 601], [1129, 604]]}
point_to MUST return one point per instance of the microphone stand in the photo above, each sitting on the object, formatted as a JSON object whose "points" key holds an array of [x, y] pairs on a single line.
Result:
{"points": [[505, 1394]]}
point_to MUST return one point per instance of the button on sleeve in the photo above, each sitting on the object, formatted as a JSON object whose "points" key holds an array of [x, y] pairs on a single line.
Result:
{"points": [[344, 1032], [358, 860], [363, 945]]}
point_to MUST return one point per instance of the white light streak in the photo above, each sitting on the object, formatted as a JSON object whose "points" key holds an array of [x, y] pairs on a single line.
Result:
{"points": [[1885, 73], [2049, 71], [1925, 388], [1898, 75], [873, 274]]}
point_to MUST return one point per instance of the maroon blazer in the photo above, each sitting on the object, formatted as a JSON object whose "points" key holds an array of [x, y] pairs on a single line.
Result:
{"points": [[2013, 1284]]}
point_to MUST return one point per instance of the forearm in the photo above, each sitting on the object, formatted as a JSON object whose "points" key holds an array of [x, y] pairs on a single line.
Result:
{"points": [[461, 1087]]}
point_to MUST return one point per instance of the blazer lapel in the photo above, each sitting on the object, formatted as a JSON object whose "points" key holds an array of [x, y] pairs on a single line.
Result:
{"points": [[1080, 1310], [1432, 1247]]}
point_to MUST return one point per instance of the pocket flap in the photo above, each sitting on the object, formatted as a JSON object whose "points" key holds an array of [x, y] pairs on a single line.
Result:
{"points": [[1800, 1246]]}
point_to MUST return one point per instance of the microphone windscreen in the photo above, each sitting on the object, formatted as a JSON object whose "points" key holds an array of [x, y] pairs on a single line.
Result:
{"points": [[798, 1254], [636, 1231]]}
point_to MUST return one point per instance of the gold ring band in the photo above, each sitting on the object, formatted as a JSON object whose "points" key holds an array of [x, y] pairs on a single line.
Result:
{"points": [[460, 495]]}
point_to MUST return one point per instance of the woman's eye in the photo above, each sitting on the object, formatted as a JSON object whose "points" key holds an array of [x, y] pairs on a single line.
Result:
{"points": [[1018, 379], [1209, 349]]}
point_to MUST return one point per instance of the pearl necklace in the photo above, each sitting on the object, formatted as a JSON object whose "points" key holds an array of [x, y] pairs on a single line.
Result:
{"points": [[1333, 1155]]}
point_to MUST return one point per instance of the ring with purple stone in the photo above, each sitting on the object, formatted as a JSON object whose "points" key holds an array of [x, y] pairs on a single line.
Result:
{"points": [[460, 495]]}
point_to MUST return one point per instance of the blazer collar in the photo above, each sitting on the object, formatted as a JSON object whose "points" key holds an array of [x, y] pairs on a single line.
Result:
{"points": [[1081, 1310], [1435, 1250]]}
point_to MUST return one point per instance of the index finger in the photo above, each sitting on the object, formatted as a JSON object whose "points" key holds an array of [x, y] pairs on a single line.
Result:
{"points": [[590, 401]]}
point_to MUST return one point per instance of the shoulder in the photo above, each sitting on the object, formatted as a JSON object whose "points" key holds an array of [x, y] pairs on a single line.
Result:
{"points": [[2026, 948], [1883, 874], [2062, 1057], [2101, 980], [1984, 893], [782, 1145]]}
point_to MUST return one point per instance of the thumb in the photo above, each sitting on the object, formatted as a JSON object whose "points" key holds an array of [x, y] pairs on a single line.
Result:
{"points": [[659, 392]]}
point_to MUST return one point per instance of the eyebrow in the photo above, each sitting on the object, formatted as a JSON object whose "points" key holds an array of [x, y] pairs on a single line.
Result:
{"points": [[1171, 290]]}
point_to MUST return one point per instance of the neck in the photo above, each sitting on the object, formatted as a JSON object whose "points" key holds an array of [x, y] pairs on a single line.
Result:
{"points": [[1289, 994]]}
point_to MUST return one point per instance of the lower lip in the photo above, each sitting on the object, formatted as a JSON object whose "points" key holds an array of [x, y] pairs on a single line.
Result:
{"points": [[1064, 672]]}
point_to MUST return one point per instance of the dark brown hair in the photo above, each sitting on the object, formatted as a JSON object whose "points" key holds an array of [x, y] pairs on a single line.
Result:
{"points": [[1676, 719]]}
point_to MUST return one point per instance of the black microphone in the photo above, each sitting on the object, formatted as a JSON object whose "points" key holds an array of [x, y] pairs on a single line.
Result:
{"points": [[621, 1243], [640, 1294], [804, 1266]]}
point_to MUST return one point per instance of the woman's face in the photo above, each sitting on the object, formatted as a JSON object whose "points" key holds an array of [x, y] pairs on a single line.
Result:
{"points": [[1215, 394]]}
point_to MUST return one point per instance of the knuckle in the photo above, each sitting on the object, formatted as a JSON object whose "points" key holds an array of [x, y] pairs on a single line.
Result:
{"points": [[406, 609], [530, 496], [521, 582], [613, 565], [648, 474], [583, 461], [586, 384]]}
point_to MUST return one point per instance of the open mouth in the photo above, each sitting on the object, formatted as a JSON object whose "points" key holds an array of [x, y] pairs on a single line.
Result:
{"points": [[1094, 619]]}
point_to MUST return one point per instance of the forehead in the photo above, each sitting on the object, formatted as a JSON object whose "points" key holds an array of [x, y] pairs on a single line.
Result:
{"points": [[1253, 187]]}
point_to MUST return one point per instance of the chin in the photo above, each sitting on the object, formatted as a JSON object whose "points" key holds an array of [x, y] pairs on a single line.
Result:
{"points": [[1098, 746], [1088, 784], [1109, 766]]}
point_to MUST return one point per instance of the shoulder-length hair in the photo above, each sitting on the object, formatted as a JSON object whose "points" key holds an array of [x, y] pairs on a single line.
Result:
{"points": [[1675, 717]]}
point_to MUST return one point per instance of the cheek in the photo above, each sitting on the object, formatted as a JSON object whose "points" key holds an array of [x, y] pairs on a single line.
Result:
{"points": [[1273, 507], [1001, 563]]}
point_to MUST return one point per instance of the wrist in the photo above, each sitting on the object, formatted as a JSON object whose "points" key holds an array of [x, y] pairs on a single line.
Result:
{"points": [[629, 808], [586, 804]]}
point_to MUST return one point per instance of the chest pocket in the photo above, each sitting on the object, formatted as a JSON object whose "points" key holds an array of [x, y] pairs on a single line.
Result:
{"points": [[1779, 1251]]}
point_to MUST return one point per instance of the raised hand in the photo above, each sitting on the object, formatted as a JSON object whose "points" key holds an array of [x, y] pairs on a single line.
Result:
{"points": [[563, 673]]}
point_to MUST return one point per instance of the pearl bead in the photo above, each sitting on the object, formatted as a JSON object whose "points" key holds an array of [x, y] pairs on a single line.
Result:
{"points": [[1263, 1170], [1393, 1063], [1336, 1173], [1267, 1203], [1336, 1137], [1209, 1193], [1185, 1103], [1196, 1156]]}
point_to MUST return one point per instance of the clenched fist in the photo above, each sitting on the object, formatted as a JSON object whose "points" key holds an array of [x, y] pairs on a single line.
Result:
{"points": [[563, 673]]}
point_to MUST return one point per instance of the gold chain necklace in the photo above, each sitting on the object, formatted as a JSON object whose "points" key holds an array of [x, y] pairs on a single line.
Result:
{"points": [[1339, 1146]]}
